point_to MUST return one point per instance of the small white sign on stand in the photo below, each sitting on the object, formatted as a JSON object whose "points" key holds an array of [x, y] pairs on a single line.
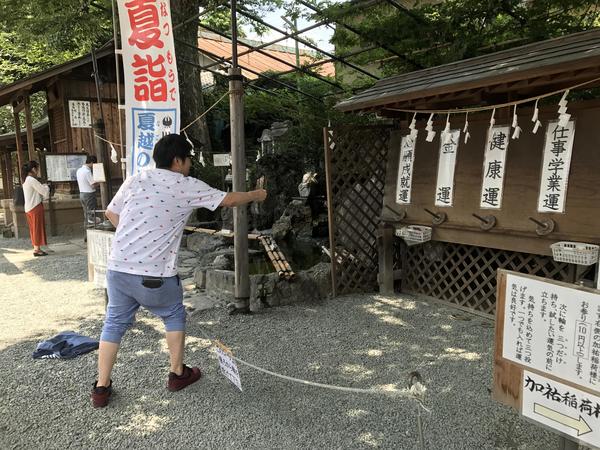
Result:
{"points": [[98, 173], [227, 364]]}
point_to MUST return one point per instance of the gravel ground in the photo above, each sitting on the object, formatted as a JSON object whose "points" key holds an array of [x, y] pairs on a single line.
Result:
{"points": [[365, 341]]}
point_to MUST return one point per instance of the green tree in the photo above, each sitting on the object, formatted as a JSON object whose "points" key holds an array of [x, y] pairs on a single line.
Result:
{"points": [[435, 33]]}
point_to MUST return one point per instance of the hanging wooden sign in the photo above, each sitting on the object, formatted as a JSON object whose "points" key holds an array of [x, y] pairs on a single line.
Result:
{"points": [[444, 193], [405, 170], [558, 148], [494, 167]]}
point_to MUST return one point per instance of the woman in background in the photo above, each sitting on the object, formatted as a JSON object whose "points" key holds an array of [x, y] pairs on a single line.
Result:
{"points": [[35, 193]]}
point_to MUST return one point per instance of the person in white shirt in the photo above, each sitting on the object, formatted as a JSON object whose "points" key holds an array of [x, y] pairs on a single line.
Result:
{"points": [[35, 193], [87, 190], [150, 211]]}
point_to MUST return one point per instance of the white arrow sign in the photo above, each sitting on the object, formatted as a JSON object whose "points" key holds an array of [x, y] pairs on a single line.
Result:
{"points": [[561, 407]]}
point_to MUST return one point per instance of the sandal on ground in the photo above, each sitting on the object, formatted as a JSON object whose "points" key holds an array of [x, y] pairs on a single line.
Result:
{"points": [[40, 253]]}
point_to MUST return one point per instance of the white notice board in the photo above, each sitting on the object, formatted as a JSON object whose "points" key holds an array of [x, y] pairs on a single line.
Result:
{"points": [[63, 167], [553, 328]]}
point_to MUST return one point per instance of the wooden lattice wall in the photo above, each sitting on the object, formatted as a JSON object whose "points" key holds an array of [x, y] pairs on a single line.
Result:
{"points": [[356, 160], [465, 275]]}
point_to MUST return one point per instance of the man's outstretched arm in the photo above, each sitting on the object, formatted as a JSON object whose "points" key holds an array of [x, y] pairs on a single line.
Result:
{"points": [[233, 199]]}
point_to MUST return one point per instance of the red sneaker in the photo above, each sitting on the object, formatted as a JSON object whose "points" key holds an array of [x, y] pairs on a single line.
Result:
{"points": [[100, 395], [189, 376]]}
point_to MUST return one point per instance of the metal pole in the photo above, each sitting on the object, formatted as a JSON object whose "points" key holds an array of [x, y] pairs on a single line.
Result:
{"points": [[238, 157], [118, 73]]}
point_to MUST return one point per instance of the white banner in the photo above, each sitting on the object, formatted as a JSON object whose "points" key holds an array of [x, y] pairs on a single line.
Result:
{"points": [[555, 169], [444, 193], [493, 167], [151, 85], [405, 170]]}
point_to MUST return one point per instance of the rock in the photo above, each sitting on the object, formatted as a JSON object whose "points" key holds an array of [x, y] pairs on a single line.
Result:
{"points": [[185, 272], [189, 262], [184, 241], [202, 302], [222, 281], [188, 284], [308, 286], [222, 262], [184, 254], [205, 243], [282, 228], [200, 277]]}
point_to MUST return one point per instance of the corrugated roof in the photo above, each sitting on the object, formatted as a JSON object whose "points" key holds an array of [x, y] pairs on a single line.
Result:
{"points": [[563, 54], [219, 46]]}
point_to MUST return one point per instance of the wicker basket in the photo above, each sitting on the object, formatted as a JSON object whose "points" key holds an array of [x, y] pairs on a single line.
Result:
{"points": [[415, 233], [575, 253]]}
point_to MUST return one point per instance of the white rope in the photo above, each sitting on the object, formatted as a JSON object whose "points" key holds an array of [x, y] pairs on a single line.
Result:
{"points": [[205, 112], [491, 107], [184, 128], [414, 394]]}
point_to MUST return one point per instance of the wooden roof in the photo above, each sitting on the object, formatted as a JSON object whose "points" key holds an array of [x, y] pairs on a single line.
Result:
{"points": [[575, 57], [39, 80]]}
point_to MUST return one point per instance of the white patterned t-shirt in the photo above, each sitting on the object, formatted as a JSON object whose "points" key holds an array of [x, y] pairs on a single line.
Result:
{"points": [[153, 208]]}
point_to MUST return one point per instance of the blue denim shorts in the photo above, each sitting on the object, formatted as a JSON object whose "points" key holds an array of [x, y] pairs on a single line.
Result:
{"points": [[126, 294]]}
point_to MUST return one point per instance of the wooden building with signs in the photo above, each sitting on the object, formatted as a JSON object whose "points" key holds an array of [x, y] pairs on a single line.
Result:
{"points": [[374, 192], [75, 103]]}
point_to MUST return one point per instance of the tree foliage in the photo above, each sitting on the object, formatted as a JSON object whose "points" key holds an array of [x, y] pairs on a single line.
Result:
{"points": [[435, 33]]}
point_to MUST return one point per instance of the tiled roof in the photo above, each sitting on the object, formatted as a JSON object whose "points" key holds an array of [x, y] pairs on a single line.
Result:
{"points": [[219, 46]]}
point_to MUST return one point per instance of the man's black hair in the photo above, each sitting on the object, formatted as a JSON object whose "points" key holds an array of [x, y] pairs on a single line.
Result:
{"points": [[91, 159], [170, 147]]}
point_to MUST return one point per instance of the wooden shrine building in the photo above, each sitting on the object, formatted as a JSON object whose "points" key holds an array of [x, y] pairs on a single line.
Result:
{"points": [[380, 179], [74, 105]]}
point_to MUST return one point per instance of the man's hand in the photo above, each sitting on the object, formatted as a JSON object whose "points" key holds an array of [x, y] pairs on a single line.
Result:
{"points": [[260, 195], [233, 199]]}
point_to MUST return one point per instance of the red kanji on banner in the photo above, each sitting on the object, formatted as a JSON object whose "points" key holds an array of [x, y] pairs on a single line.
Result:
{"points": [[171, 76], [173, 91], [166, 28], [169, 57], [145, 31], [149, 83], [163, 9]]}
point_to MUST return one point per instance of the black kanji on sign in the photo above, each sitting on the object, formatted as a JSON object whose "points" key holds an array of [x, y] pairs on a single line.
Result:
{"points": [[560, 132], [494, 169], [558, 147], [498, 141], [551, 201], [554, 181], [491, 196], [443, 195]]}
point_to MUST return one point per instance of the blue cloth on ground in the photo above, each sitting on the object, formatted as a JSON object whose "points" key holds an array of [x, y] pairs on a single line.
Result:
{"points": [[65, 345]]}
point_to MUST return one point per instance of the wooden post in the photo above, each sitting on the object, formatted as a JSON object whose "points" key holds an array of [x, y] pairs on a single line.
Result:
{"points": [[386, 259], [29, 126], [5, 179], [101, 154], [20, 156], [9, 174], [330, 217], [238, 157]]}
